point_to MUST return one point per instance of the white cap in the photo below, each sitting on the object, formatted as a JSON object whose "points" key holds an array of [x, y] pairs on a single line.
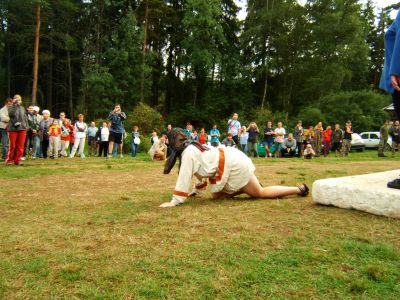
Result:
{"points": [[36, 108], [46, 111]]}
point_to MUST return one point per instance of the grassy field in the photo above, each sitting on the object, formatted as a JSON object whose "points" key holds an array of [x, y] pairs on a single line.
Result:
{"points": [[92, 229]]}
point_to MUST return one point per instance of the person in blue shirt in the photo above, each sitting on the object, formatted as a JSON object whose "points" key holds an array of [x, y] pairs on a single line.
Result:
{"points": [[116, 129], [390, 79], [214, 133]]}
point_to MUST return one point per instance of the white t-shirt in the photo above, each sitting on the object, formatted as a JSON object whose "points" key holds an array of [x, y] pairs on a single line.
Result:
{"points": [[105, 132], [234, 127], [280, 138]]}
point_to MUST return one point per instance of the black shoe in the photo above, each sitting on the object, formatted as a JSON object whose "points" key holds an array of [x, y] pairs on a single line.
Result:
{"points": [[304, 190], [381, 155], [395, 184]]}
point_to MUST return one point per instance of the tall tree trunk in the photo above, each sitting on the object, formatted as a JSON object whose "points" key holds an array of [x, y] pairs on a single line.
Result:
{"points": [[36, 55], [71, 107], [146, 15], [49, 100], [8, 69]]}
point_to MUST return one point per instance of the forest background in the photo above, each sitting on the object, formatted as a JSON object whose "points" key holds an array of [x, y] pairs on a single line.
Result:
{"points": [[194, 60]]}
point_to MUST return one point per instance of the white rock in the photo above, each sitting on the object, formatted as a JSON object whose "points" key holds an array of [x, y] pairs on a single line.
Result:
{"points": [[363, 192]]}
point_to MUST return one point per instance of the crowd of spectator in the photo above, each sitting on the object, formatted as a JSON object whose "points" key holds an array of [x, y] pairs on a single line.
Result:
{"points": [[25, 133]]}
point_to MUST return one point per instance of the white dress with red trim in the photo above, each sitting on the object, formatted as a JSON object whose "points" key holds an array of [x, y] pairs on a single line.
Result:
{"points": [[227, 169]]}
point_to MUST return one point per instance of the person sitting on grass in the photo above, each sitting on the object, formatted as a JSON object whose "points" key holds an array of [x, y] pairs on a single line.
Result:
{"points": [[289, 146], [229, 171], [159, 149], [309, 152], [228, 141]]}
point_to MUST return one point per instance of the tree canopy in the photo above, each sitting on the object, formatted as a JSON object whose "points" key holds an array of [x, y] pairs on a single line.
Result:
{"points": [[194, 60]]}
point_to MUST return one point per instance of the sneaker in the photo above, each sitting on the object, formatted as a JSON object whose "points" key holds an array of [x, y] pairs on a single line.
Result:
{"points": [[121, 156], [109, 156], [23, 158], [33, 157]]}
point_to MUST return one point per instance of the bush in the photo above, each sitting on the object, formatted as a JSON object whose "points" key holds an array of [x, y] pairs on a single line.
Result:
{"points": [[146, 118]]}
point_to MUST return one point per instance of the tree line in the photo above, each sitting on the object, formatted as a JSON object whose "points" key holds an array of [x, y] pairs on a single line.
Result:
{"points": [[193, 59]]}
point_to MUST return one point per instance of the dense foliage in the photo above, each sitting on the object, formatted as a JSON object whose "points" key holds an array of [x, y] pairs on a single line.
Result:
{"points": [[194, 59]]}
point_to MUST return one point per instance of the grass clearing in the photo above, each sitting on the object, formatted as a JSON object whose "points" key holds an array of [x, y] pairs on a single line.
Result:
{"points": [[92, 229]]}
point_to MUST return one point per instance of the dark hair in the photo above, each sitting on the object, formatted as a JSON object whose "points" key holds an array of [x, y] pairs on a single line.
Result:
{"points": [[8, 100], [117, 104]]}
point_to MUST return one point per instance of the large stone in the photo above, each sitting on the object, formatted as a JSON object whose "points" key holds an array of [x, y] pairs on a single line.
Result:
{"points": [[363, 192]]}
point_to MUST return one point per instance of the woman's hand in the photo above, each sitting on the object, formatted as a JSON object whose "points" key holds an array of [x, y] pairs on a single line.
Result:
{"points": [[395, 82]]}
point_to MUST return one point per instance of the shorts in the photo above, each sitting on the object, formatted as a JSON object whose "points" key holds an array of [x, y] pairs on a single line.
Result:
{"points": [[115, 137], [268, 143]]}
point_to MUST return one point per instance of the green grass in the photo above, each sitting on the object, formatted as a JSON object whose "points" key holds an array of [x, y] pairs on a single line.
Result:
{"points": [[92, 229]]}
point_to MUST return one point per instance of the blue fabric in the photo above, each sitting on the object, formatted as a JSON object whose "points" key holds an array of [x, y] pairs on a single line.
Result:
{"points": [[116, 122], [4, 143], [392, 62], [214, 139]]}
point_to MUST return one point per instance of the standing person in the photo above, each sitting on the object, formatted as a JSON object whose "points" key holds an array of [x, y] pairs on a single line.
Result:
{"points": [[33, 127], [390, 78], [154, 137], [327, 140], [92, 131], [80, 130], [299, 137], [167, 133], [280, 133], [268, 138], [117, 117], [337, 138], [37, 147], [346, 144], [243, 139], [102, 138], [44, 126], [203, 137], [61, 120], [66, 130], [16, 129], [394, 132], [194, 136], [214, 133], [234, 127], [54, 139], [384, 136], [318, 138], [252, 141], [188, 130], [4, 119], [135, 136]]}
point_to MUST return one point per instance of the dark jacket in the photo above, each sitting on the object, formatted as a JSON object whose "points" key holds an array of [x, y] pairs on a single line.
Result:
{"points": [[18, 118]]}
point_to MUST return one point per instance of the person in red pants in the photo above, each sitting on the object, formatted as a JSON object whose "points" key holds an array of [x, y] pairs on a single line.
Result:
{"points": [[16, 131]]}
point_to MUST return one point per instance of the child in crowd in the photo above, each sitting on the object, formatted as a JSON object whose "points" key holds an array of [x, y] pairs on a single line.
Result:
{"points": [[154, 137], [194, 136], [91, 132], [203, 136], [102, 139], [66, 129], [228, 141], [135, 141], [309, 152], [159, 149], [54, 139], [244, 136], [214, 133]]}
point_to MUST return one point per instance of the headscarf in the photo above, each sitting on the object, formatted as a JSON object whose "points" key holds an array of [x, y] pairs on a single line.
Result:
{"points": [[178, 142]]}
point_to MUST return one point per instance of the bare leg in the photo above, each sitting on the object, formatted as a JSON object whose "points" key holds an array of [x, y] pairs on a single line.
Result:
{"points": [[110, 148], [254, 189], [120, 148], [222, 195]]}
